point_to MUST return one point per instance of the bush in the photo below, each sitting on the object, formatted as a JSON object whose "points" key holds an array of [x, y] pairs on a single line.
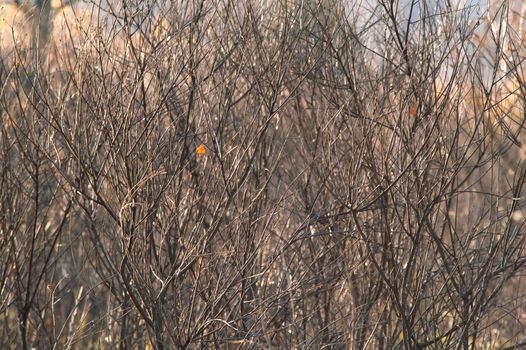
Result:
{"points": [[283, 174]]}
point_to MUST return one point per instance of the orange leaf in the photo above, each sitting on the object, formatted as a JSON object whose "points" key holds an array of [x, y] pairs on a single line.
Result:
{"points": [[414, 110], [201, 150]]}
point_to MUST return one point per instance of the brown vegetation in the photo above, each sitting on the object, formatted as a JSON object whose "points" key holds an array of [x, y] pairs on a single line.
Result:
{"points": [[281, 174]]}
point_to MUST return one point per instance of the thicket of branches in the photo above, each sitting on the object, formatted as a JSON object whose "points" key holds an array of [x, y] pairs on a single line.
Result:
{"points": [[361, 185]]}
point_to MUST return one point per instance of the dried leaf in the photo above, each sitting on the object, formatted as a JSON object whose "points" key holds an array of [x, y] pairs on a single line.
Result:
{"points": [[414, 110]]}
